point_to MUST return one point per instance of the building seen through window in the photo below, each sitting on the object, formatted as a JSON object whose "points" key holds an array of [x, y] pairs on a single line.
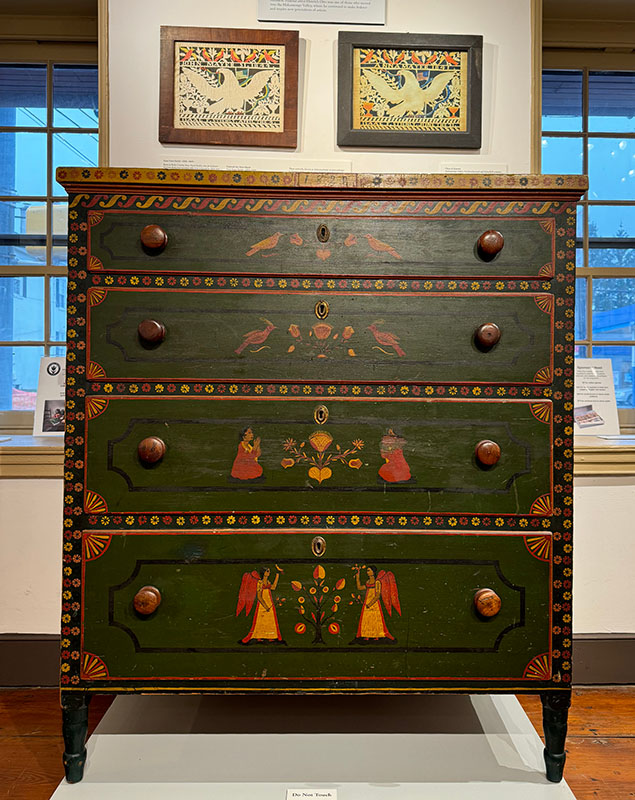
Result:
{"points": [[588, 121], [48, 118]]}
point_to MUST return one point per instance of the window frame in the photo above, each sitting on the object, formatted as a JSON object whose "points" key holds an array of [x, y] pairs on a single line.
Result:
{"points": [[57, 53], [586, 62]]}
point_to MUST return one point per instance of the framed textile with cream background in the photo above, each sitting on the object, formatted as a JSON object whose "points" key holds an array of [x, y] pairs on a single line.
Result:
{"points": [[409, 90], [228, 86]]}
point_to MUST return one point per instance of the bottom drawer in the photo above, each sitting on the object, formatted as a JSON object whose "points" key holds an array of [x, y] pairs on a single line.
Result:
{"points": [[234, 607]]}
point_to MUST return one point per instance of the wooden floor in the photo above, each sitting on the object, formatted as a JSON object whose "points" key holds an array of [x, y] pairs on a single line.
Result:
{"points": [[600, 764]]}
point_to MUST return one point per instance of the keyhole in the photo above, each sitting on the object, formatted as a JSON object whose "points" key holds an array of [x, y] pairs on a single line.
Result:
{"points": [[318, 546], [321, 414], [321, 309], [323, 233]]}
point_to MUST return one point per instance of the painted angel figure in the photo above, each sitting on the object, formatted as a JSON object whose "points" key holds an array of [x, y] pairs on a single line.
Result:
{"points": [[256, 588], [379, 586]]}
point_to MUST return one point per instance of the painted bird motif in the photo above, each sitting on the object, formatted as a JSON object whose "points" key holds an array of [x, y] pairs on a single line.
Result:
{"points": [[410, 96], [256, 337], [381, 247], [385, 338], [266, 244], [230, 93]]}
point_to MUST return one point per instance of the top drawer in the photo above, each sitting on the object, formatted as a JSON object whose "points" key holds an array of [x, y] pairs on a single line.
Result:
{"points": [[245, 236]]}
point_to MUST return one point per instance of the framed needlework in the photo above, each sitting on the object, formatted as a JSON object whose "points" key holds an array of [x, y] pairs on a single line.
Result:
{"points": [[409, 90], [228, 86]]}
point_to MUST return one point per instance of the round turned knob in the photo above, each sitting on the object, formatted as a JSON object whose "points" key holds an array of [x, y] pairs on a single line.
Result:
{"points": [[490, 244], [147, 600], [487, 452], [154, 238], [487, 335], [151, 450], [151, 332], [487, 602]]}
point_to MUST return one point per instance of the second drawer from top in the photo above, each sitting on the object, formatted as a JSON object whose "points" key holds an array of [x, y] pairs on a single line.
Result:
{"points": [[155, 334]]}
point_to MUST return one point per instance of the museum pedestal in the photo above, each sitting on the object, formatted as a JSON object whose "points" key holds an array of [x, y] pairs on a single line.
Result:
{"points": [[379, 748]]}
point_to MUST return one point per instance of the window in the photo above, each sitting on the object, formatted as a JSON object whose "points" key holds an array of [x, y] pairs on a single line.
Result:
{"points": [[588, 121], [48, 118]]}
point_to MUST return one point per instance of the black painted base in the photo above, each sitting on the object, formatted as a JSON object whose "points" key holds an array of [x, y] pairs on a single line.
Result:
{"points": [[555, 714], [74, 730]]}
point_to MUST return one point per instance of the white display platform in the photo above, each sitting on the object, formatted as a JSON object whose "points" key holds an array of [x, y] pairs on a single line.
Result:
{"points": [[436, 747]]}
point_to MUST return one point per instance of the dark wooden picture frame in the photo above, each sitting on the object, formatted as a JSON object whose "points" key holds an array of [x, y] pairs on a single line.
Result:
{"points": [[236, 59], [411, 82]]}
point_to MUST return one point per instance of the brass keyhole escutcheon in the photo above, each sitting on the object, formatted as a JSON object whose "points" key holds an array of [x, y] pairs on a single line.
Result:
{"points": [[318, 546], [321, 414], [321, 309], [323, 233]]}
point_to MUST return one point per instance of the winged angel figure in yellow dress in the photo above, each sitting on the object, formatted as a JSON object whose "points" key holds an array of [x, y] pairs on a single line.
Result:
{"points": [[256, 587], [379, 586]]}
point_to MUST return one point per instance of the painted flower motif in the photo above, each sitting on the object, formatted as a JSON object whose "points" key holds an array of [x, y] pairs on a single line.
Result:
{"points": [[300, 628], [294, 331], [322, 330], [320, 440], [355, 463], [334, 628], [287, 462]]}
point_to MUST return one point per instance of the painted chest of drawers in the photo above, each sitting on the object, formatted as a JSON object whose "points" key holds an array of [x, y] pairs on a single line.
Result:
{"points": [[319, 436]]}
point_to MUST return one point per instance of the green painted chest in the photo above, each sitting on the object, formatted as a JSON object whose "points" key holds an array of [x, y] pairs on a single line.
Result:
{"points": [[319, 436]]}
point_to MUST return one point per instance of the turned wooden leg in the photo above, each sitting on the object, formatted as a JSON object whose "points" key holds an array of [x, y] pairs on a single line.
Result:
{"points": [[74, 730], [555, 712]]}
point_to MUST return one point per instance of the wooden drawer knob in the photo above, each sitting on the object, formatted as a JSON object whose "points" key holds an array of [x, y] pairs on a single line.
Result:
{"points": [[147, 600], [487, 335], [487, 452], [151, 450], [151, 332], [487, 602], [490, 244], [154, 238]]}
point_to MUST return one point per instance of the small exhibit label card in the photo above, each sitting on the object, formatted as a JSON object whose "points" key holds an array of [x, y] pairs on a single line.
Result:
{"points": [[595, 409], [49, 404], [311, 794], [341, 12]]}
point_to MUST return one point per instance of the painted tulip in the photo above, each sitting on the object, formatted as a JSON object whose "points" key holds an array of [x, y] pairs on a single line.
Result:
{"points": [[294, 331], [296, 586], [319, 572], [320, 440], [334, 607], [322, 330], [355, 463], [288, 462], [348, 332], [340, 584]]}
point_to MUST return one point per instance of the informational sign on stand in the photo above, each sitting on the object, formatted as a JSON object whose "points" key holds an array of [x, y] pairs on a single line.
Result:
{"points": [[49, 405], [595, 410], [339, 12]]}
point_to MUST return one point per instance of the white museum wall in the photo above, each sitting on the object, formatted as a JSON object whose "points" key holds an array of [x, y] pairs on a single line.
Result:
{"points": [[134, 85], [30, 555]]}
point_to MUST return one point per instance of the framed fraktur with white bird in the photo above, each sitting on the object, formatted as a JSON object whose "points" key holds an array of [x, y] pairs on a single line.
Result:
{"points": [[228, 86], [409, 90]]}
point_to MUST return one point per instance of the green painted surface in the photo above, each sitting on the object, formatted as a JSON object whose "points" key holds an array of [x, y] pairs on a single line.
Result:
{"points": [[221, 242], [195, 632], [430, 467], [238, 336]]}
